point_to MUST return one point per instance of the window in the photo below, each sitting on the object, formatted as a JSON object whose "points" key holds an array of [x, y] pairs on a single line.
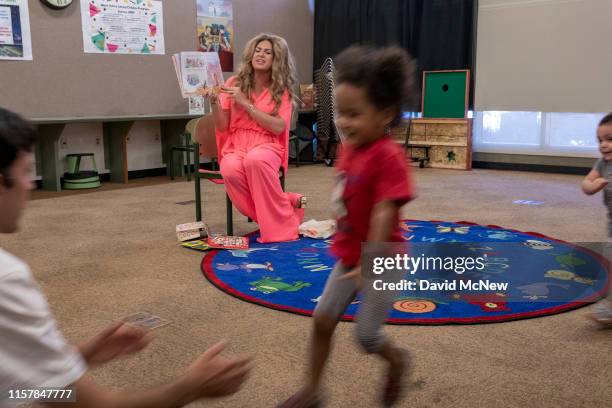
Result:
{"points": [[538, 133], [508, 128], [574, 130]]}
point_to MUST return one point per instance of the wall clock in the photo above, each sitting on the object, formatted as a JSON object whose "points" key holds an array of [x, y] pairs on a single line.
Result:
{"points": [[57, 4]]}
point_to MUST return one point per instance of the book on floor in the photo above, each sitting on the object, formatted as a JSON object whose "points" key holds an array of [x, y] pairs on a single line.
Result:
{"points": [[191, 230], [197, 244], [228, 242]]}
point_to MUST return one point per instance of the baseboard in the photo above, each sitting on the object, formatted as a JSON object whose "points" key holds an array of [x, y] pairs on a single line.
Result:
{"points": [[134, 174], [540, 168]]}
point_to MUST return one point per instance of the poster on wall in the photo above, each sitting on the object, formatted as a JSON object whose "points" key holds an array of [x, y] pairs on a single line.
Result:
{"points": [[15, 39], [122, 26], [215, 30]]}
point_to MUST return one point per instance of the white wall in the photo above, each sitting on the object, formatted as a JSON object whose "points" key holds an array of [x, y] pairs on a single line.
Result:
{"points": [[144, 149], [544, 55], [83, 138]]}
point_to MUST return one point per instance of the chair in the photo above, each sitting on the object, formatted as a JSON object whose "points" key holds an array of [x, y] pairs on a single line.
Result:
{"points": [[293, 137], [187, 146], [206, 139], [327, 134]]}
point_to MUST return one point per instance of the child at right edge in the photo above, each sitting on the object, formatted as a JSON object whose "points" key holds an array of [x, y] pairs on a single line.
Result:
{"points": [[596, 181]]}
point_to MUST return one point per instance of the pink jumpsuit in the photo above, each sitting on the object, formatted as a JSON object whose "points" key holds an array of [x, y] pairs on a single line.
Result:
{"points": [[251, 158]]}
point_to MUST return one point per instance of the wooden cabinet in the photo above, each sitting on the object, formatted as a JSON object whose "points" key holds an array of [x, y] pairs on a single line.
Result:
{"points": [[441, 143]]}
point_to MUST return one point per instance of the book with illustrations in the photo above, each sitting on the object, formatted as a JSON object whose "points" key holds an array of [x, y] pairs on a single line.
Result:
{"points": [[228, 242], [191, 230], [198, 245], [197, 70]]}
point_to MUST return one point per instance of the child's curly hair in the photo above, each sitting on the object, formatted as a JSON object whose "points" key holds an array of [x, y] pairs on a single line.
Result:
{"points": [[607, 120], [388, 74]]}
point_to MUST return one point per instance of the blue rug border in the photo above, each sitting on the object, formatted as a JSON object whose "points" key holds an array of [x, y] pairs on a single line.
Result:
{"points": [[209, 273]]}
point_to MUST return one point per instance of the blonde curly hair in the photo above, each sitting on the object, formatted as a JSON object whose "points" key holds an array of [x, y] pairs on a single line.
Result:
{"points": [[283, 69]]}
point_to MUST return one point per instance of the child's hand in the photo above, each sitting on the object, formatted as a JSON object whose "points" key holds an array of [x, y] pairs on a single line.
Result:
{"points": [[354, 274], [599, 183]]}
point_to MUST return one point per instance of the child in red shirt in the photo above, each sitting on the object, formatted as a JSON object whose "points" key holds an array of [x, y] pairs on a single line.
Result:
{"points": [[372, 184]]}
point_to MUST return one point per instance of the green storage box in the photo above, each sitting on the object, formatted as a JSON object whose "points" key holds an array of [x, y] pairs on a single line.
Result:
{"points": [[445, 94]]}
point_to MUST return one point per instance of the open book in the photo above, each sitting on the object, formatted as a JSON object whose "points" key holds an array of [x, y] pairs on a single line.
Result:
{"points": [[197, 70], [228, 242]]}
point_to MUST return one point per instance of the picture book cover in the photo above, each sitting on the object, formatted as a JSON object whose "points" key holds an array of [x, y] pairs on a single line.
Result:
{"points": [[228, 242], [197, 70]]}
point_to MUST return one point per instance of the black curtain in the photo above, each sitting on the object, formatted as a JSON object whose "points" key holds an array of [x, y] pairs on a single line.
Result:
{"points": [[440, 34]]}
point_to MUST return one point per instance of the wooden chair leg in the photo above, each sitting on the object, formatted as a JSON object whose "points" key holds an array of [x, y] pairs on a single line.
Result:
{"points": [[230, 221], [198, 198], [181, 162], [171, 164], [188, 153], [297, 152], [196, 181]]}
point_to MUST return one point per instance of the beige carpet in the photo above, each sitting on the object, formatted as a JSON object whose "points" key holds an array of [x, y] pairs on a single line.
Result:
{"points": [[104, 255]]}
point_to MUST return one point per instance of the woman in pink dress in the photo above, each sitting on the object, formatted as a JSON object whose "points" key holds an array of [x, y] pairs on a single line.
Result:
{"points": [[252, 118]]}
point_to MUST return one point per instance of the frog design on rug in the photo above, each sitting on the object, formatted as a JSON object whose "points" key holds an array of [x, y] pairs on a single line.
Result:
{"points": [[269, 285]]}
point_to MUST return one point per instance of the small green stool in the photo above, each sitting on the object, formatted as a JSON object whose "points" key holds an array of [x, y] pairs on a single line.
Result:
{"points": [[74, 179]]}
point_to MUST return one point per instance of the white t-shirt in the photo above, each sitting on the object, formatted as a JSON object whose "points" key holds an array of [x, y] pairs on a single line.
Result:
{"points": [[33, 353]]}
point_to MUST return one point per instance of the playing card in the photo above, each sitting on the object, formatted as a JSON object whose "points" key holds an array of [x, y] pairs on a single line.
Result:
{"points": [[146, 320]]}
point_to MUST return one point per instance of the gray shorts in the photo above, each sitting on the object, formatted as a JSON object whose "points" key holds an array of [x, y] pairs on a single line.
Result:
{"points": [[373, 308]]}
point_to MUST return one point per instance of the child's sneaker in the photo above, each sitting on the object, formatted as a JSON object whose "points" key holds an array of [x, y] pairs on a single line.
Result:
{"points": [[301, 400], [602, 314], [396, 378]]}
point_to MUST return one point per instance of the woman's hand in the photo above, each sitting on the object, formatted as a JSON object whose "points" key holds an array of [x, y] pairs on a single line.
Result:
{"points": [[209, 93], [236, 93]]}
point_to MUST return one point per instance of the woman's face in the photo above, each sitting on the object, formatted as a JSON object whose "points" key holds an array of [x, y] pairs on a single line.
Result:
{"points": [[263, 56]]}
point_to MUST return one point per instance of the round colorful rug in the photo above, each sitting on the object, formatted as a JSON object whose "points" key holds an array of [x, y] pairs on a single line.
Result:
{"points": [[543, 275]]}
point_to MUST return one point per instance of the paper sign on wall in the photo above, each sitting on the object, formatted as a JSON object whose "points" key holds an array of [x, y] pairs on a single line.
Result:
{"points": [[122, 26], [15, 39]]}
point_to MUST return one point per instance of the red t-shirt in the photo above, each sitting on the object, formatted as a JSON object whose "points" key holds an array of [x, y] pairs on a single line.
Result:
{"points": [[365, 176]]}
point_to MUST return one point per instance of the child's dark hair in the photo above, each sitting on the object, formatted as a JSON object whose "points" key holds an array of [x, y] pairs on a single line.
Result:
{"points": [[388, 74], [16, 134], [607, 120]]}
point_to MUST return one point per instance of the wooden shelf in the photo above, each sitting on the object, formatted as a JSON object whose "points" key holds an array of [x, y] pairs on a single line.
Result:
{"points": [[426, 143], [447, 142]]}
